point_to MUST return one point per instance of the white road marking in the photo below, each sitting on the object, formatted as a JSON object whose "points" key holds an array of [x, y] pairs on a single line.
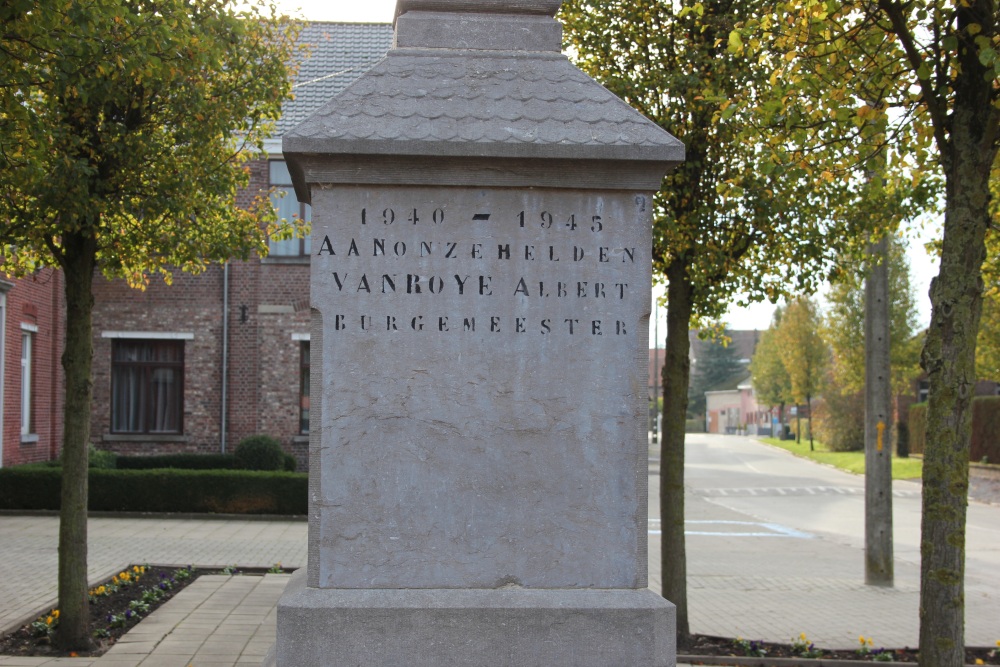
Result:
{"points": [[772, 529]]}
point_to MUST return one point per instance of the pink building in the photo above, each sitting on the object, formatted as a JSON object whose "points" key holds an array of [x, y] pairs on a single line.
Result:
{"points": [[736, 411]]}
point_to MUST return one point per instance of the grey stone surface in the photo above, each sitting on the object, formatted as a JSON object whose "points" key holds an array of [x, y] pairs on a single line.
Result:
{"points": [[484, 387], [546, 7], [489, 85], [476, 31], [480, 288], [595, 174], [474, 628], [497, 104]]}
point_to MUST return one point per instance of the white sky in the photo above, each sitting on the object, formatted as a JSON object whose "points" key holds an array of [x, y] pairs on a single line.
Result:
{"points": [[757, 316]]}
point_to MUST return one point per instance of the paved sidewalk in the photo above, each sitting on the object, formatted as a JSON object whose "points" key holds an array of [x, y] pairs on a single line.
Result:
{"points": [[217, 621], [29, 551]]}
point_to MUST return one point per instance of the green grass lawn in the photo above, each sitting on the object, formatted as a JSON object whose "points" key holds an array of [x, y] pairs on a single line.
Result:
{"points": [[850, 461]]}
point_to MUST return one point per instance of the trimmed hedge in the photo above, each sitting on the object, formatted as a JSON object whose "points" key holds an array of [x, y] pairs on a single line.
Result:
{"points": [[191, 462], [183, 461], [162, 490], [985, 429], [694, 425]]}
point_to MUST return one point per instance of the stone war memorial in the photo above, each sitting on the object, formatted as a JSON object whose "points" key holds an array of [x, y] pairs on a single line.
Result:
{"points": [[480, 289]]}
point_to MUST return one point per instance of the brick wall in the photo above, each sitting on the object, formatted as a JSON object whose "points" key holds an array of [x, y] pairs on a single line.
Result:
{"points": [[35, 302], [268, 303], [192, 305]]}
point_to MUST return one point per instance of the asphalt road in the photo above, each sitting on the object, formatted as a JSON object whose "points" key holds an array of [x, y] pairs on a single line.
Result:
{"points": [[775, 547]]}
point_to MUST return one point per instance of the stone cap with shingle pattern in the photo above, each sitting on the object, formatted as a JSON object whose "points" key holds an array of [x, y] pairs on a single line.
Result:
{"points": [[468, 83]]}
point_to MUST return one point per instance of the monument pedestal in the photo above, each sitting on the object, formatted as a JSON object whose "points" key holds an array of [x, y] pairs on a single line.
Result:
{"points": [[505, 627], [480, 285]]}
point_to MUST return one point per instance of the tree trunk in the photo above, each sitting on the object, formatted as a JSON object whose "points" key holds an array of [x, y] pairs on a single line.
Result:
{"points": [[72, 632], [809, 422], [676, 375], [949, 360]]}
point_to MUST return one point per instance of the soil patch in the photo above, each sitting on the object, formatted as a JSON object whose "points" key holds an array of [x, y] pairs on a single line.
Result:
{"points": [[705, 645]]}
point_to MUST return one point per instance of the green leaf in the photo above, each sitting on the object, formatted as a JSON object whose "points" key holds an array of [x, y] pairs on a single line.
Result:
{"points": [[735, 42], [987, 57]]}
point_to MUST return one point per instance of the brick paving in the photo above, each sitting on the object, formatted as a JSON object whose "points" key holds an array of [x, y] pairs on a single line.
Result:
{"points": [[29, 544], [218, 621]]}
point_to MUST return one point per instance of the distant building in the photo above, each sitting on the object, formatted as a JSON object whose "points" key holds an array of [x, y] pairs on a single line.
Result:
{"points": [[744, 340], [736, 411]]}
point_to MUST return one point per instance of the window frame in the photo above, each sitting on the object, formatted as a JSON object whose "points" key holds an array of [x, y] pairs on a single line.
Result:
{"points": [[147, 369], [281, 183], [27, 401]]}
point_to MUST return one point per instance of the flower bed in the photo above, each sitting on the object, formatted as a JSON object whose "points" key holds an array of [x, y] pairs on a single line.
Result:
{"points": [[710, 650], [116, 606]]}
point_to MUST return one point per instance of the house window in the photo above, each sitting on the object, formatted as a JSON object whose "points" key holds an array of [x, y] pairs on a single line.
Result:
{"points": [[288, 208], [27, 385], [923, 391], [147, 385], [304, 387]]}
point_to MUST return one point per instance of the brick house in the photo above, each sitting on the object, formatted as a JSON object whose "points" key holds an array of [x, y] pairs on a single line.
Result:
{"points": [[32, 328], [199, 365]]}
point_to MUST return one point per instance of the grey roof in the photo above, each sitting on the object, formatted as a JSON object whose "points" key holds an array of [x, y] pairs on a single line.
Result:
{"points": [[337, 54], [416, 102]]}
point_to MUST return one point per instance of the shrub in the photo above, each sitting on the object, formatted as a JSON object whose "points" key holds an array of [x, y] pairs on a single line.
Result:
{"points": [[902, 440], [183, 461], [291, 463], [839, 420], [100, 458], [162, 490], [985, 429], [260, 452], [918, 427], [694, 425], [96, 458]]}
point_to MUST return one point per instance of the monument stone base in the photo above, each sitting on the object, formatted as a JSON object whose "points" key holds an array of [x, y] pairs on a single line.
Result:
{"points": [[507, 627]]}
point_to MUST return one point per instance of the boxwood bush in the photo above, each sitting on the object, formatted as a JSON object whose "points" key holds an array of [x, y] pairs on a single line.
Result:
{"points": [[162, 490], [260, 452]]}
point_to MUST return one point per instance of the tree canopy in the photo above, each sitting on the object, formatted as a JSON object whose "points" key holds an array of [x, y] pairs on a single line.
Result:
{"points": [[128, 122], [771, 383], [125, 128], [732, 223], [925, 76], [844, 324]]}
